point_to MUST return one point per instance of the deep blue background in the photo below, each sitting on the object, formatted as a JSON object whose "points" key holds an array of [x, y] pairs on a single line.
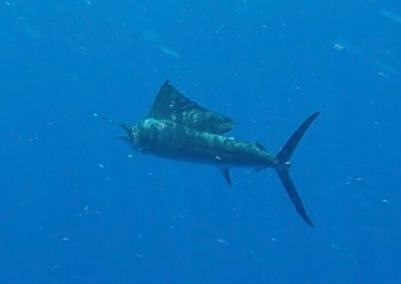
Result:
{"points": [[74, 208]]}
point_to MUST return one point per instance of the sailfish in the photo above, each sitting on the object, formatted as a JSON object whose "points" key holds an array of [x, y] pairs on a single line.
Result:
{"points": [[180, 129]]}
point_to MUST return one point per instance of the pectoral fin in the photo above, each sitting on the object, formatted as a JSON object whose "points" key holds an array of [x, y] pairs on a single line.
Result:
{"points": [[226, 174]]}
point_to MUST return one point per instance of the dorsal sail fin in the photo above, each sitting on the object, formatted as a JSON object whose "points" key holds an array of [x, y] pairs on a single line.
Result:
{"points": [[170, 104]]}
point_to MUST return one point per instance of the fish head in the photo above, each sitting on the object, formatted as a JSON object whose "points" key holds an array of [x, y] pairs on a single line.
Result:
{"points": [[132, 135]]}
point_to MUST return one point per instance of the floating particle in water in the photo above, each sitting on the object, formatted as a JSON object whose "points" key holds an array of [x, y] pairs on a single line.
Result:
{"points": [[381, 74], [384, 61], [338, 46], [35, 138], [335, 247], [85, 2], [390, 15], [34, 33], [169, 52], [222, 241]]}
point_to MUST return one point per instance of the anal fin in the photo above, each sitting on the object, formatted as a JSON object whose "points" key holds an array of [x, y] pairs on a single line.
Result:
{"points": [[226, 175]]}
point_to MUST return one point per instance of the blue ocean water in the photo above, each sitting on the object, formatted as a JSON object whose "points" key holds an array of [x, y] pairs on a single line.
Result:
{"points": [[76, 207]]}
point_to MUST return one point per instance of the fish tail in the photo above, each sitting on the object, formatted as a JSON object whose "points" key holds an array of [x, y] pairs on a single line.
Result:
{"points": [[282, 166]]}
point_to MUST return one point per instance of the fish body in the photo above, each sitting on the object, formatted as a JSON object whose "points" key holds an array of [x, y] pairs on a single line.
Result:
{"points": [[165, 138]]}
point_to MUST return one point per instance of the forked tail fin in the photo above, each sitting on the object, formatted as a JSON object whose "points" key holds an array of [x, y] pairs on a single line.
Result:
{"points": [[283, 166]]}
